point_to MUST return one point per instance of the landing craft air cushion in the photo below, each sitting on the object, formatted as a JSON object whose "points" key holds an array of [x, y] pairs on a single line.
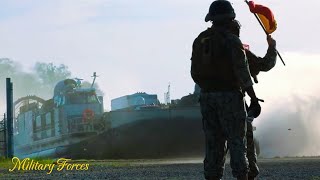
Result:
{"points": [[73, 124]]}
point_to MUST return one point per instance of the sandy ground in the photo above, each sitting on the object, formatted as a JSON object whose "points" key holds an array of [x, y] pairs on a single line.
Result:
{"points": [[277, 168]]}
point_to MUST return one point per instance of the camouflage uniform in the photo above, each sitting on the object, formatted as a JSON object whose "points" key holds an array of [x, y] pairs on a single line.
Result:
{"points": [[257, 64], [224, 113]]}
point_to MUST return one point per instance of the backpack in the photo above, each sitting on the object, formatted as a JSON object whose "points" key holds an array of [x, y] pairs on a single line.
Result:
{"points": [[211, 66]]}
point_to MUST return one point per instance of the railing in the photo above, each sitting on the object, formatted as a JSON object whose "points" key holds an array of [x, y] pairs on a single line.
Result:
{"points": [[74, 125]]}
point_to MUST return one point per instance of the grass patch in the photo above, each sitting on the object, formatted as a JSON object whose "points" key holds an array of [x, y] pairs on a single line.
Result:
{"points": [[110, 163], [44, 160], [105, 163], [7, 163]]}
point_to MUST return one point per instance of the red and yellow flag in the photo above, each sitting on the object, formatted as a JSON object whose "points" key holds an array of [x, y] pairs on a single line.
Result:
{"points": [[266, 16]]}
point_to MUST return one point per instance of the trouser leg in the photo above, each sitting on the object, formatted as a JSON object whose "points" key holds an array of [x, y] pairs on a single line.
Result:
{"points": [[251, 152], [215, 142], [238, 159], [224, 117], [234, 124], [214, 161]]}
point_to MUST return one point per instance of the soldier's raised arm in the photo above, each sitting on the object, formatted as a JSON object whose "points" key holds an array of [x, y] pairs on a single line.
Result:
{"points": [[267, 62]]}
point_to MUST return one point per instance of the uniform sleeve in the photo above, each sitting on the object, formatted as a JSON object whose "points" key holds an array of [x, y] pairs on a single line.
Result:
{"points": [[253, 61], [240, 62], [263, 64], [195, 49], [194, 57]]}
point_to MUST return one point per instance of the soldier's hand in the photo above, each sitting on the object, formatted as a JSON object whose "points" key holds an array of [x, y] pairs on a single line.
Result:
{"points": [[254, 109], [271, 41]]}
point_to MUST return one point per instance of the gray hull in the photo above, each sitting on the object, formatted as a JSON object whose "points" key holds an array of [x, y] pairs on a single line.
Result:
{"points": [[154, 133], [148, 133]]}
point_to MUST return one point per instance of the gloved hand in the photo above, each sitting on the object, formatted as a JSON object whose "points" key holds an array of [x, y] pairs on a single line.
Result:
{"points": [[271, 41], [254, 109]]}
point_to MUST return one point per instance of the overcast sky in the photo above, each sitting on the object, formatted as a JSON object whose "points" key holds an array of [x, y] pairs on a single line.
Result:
{"points": [[143, 45]]}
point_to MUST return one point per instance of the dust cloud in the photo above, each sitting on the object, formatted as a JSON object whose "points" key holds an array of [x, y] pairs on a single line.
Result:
{"points": [[290, 128]]}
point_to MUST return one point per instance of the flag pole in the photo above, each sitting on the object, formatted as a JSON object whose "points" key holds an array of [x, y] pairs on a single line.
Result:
{"points": [[265, 31]]}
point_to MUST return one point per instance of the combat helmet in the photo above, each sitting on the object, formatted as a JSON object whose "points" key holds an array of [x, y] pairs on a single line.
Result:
{"points": [[220, 10]]}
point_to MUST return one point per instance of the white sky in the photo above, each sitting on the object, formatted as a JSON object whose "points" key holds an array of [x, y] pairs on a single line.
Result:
{"points": [[143, 45]]}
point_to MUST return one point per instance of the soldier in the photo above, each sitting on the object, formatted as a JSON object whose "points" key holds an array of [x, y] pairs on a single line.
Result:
{"points": [[219, 66], [256, 64]]}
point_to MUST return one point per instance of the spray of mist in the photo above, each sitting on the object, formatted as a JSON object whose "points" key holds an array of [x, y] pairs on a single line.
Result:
{"points": [[290, 128]]}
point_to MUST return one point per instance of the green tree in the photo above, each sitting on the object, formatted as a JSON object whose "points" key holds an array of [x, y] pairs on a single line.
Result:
{"points": [[49, 74], [24, 83], [8, 67]]}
